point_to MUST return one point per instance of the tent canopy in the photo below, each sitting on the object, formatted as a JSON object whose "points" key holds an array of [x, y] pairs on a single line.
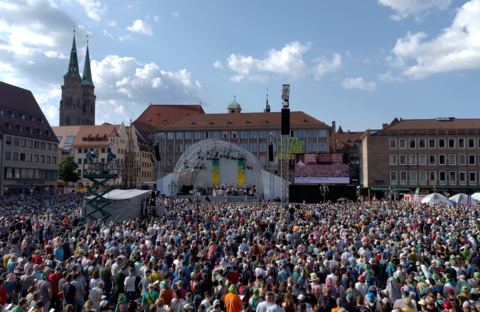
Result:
{"points": [[462, 199], [435, 198]]}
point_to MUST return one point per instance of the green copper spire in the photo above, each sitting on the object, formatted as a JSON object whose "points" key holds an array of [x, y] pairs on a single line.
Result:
{"points": [[87, 73], [73, 64]]}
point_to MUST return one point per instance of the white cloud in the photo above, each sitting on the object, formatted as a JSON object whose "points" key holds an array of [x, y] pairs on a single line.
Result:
{"points": [[415, 8], [388, 76], [218, 64], [124, 86], [141, 27], [359, 83], [93, 8], [323, 65], [285, 62], [456, 48], [175, 15], [156, 18]]}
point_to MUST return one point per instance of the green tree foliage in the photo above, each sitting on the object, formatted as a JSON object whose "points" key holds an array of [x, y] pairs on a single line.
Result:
{"points": [[67, 170]]}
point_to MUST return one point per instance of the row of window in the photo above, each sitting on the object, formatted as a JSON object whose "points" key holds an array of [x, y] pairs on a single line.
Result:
{"points": [[242, 134], [312, 147], [27, 143], [26, 129], [436, 143], [30, 158], [29, 174], [434, 159], [21, 116], [434, 177]]}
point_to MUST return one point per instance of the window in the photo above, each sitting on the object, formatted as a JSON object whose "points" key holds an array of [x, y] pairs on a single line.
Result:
{"points": [[263, 147], [188, 135], [403, 177], [421, 143], [402, 143], [69, 139], [472, 159], [441, 143], [322, 133], [403, 160], [412, 143], [393, 143], [15, 156], [312, 147], [412, 177], [179, 135], [243, 134], [432, 143], [461, 159], [462, 177], [8, 155], [8, 140], [253, 134], [253, 147], [170, 135], [412, 159], [422, 178], [451, 143], [225, 135], [22, 156], [322, 147], [198, 135], [432, 177], [461, 143], [393, 177], [471, 143], [216, 135], [393, 160], [79, 161], [442, 177], [301, 134], [452, 159], [422, 159], [452, 178], [179, 148], [472, 178], [312, 133], [442, 160]]}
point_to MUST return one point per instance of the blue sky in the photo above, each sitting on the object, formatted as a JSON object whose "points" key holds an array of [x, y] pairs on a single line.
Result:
{"points": [[361, 63]]}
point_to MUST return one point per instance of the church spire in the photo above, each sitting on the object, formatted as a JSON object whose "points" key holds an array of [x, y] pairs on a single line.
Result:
{"points": [[267, 106], [87, 73], [73, 64]]}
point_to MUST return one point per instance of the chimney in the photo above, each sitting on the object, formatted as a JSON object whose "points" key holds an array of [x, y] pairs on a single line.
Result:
{"points": [[384, 126], [333, 136]]}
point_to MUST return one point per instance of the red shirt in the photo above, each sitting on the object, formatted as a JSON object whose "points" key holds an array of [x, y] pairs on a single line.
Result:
{"points": [[36, 259], [3, 295], [54, 278]]}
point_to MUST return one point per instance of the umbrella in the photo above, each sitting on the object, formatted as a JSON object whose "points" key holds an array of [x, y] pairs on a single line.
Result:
{"points": [[462, 199], [435, 198]]}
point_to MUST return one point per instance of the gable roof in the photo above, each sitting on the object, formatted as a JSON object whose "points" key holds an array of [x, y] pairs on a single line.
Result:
{"points": [[157, 116], [448, 123], [64, 131], [21, 115], [95, 136], [262, 120]]}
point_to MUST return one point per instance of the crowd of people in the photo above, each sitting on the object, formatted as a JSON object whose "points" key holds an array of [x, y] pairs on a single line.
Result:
{"points": [[321, 170], [240, 257]]}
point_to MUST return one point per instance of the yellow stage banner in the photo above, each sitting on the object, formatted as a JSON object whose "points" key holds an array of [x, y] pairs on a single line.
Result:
{"points": [[215, 171]]}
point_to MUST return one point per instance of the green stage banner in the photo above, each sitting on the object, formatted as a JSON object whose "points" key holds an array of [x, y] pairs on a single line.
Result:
{"points": [[215, 171]]}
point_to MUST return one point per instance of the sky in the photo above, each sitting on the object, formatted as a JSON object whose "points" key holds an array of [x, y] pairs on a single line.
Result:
{"points": [[358, 62]]}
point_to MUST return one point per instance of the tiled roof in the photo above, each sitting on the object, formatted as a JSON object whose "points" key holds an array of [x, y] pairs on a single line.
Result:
{"points": [[438, 123], [348, 139], [157, 116], [21, 115], [245, 121], [64, 132], [95, 136]]}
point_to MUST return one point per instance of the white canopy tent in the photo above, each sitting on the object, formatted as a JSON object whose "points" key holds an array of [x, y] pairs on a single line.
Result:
{"points": [[463, 199], [476, 196], [126, 204], [435, 198]]}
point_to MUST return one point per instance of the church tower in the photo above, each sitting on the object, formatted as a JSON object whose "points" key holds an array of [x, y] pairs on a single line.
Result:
{"points": [[77, 105]]}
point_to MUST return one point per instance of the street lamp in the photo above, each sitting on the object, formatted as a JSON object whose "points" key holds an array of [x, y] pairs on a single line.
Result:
{"points": [[323, 190]]}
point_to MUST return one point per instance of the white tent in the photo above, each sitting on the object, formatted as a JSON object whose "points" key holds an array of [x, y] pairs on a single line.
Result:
{"points": [[463, 199], [126, 205], [476, 196], [435, 198]]}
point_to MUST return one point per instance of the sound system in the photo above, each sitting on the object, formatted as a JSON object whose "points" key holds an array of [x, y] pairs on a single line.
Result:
{"points": [[157, 153], [270, 152], [285, 121]]}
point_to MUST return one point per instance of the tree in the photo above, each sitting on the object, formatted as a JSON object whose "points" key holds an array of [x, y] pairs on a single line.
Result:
{"points": [[67, 170]]}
